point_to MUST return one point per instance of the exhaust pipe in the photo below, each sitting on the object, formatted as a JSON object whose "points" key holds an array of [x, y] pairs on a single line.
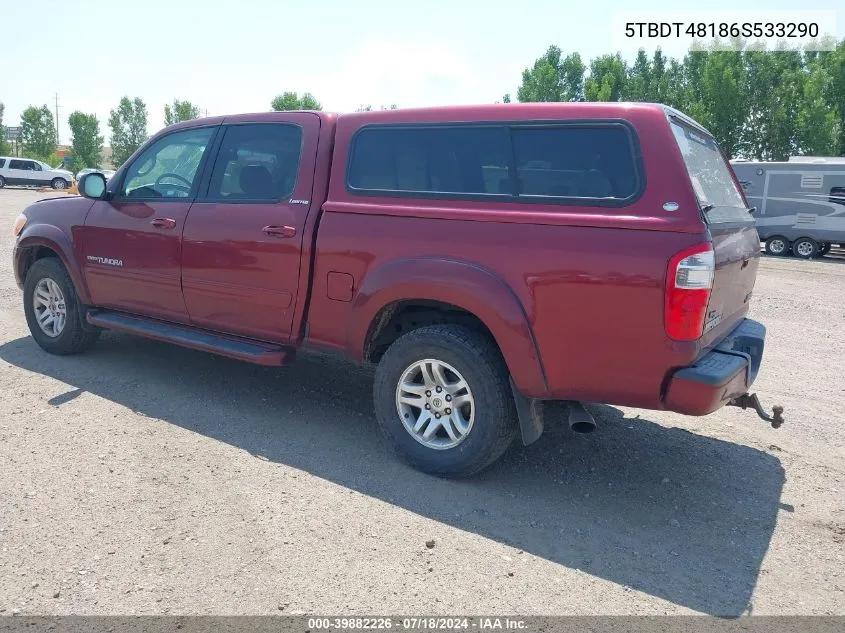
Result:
{"points": [[580, 420]]}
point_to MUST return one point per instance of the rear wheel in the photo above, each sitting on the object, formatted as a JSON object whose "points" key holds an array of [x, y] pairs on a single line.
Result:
{"points": [[443, 398], [52, 310], [805, 248], [2, 182], [777, 245], [59, 183]]}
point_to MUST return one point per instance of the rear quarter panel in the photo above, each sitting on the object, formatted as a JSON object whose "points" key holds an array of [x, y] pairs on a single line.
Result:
{"points": [[593, 297]]}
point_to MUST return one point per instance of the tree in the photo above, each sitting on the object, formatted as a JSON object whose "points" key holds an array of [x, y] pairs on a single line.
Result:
{"points": [[774, 95], [86, 141], [607, 80], [572, 78], [38, 132], [639, 79], [658, 89], [677, 94], [723, 103], [4, 144], [647, 79], [819, 127], [128, 125], [180, 111], [834, 63], [291, 101], [759, 104], [552, 79]]}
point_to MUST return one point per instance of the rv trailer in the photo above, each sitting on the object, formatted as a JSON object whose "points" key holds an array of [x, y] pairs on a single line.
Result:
{"points": [[799, 205]]}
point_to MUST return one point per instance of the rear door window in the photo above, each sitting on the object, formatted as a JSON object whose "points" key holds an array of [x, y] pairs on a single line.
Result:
{"points": [[17, 164], [468, 160], [710, 175], [587, 162]]}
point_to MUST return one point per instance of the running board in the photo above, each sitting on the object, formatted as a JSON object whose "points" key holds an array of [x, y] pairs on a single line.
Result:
{"points": [[186, 336]]}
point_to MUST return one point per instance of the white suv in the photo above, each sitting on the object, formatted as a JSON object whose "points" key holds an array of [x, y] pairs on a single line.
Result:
{"points": [[26, 171]]}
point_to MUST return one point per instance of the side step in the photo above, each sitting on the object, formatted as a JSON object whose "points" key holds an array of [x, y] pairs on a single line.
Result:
{"points": [[186, 336]]}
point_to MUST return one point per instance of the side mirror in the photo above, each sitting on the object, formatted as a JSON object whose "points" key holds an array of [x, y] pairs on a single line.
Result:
{"points": [[93, 185]]}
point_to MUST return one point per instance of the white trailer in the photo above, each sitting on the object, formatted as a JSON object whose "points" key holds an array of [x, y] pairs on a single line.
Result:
{"points": [[799, 204]]}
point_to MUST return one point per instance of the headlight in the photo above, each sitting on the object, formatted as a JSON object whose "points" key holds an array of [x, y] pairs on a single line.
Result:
{"points": [[20, 222]]}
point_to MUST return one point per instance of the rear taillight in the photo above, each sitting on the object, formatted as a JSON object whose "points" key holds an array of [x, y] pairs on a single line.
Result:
{"points": [[689, 281]]}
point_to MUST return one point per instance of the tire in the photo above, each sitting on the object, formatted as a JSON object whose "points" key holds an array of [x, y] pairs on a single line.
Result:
{"points": [[2, 182], [824, 249], [805, 248], [73, 338], [492, 415], [777, 246], [59, 183]]}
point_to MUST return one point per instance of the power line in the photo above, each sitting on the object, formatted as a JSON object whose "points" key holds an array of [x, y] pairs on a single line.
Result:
{"points": [[57, 118]]}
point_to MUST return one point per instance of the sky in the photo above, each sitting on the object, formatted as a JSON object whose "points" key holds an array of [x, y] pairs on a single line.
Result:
{"points": [[234, 57]]}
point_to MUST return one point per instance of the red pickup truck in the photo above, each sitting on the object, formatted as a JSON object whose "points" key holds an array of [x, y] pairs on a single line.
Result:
{"points": [[487, 259]]}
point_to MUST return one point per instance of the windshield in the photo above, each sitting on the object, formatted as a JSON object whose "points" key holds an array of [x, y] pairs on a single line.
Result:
{"points": [[710, 175]]}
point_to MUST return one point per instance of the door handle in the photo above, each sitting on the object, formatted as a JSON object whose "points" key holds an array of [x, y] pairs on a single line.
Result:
{"points": [[279, 231], [163, 223]]}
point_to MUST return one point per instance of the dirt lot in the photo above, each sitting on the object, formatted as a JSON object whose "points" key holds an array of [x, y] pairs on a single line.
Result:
{"points": [[144, 478]]}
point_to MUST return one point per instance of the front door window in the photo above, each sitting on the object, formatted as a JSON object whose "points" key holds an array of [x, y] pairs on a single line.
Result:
{"points": [[168, 168]]}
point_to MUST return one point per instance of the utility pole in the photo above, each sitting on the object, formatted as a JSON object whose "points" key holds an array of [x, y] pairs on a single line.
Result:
{"points": [[57, 118]]}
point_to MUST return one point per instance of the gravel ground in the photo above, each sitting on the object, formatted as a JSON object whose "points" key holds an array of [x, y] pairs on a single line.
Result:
{"points": [[145, 478]]}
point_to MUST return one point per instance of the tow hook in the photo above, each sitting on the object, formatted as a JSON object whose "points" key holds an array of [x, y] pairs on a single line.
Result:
{"points": [[751, 400]]}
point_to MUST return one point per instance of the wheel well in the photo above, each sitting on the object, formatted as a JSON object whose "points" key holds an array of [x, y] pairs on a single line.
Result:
{"points": [[33, 254], [401, 317]]}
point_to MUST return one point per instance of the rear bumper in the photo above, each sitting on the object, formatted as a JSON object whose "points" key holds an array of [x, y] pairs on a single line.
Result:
{"points": [[721, 375]]}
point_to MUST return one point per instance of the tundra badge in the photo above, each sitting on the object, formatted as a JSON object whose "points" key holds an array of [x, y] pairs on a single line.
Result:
{"points": [[105, 260]]}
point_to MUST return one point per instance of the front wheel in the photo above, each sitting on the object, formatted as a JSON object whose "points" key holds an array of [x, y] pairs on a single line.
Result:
{"points": [[443, 398], [59, 183], [51, 309], [2, 182]]}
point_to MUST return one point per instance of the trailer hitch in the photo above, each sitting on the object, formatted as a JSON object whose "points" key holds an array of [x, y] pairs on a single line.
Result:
{"points": [[751, 400]]}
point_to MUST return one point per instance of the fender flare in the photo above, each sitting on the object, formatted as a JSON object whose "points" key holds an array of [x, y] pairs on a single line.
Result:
{"points": [[465, 285], [56, 240]]}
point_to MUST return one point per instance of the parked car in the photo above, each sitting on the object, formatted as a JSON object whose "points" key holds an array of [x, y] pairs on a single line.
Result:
{"points": [[26, 171], [486, 259], [799, 204], [108, 173]]}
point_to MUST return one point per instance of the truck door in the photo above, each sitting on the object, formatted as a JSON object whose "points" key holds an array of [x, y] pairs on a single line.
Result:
{"points": [[242, 241], [131, 242]]}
